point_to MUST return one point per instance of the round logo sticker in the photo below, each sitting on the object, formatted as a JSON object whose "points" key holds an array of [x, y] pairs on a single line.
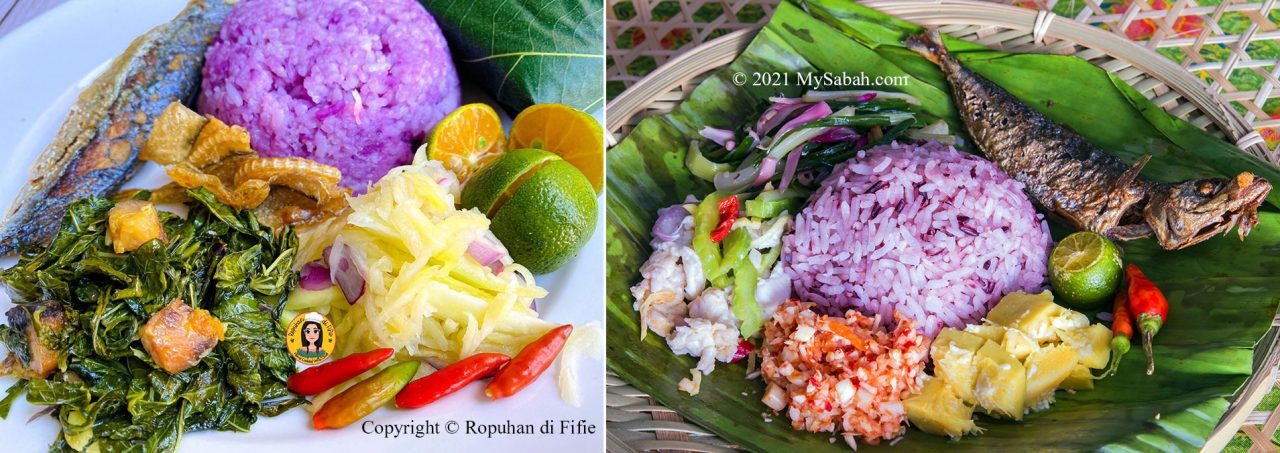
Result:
{"points": [[311, 338]]}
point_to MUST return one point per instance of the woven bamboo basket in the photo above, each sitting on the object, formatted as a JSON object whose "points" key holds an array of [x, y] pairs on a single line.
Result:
{"points": [[1232, 44], [638, 423]]}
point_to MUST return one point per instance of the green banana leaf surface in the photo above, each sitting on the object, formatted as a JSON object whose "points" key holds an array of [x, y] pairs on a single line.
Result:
{"points": [[527, 52], [1222, 293]]}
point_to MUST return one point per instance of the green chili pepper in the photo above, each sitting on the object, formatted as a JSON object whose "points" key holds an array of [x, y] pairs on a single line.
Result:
{"points": [[705, 219], [745, 307], [736, 247], [722, 281], [770, 209]]}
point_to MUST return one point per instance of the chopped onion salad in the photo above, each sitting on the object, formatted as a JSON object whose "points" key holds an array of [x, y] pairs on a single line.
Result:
{"points": [[714, 277], [405, 269]]}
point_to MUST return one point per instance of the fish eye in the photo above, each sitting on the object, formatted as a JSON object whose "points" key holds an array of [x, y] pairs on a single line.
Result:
{"points": [[1206, 187]]}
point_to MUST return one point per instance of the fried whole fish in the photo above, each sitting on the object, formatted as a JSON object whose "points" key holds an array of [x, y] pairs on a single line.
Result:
{"points": [[96, 149], [1083, 185]]}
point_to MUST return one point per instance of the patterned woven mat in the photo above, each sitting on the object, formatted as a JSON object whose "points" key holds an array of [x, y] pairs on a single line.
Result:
{"points": [[1232, 45]]}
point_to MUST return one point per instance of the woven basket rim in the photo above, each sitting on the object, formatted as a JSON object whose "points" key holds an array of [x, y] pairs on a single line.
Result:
{"points": [[719, 52]]}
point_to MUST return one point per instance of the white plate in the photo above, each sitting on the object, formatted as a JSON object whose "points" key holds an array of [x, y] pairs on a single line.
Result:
{"points": [[44, 65]]}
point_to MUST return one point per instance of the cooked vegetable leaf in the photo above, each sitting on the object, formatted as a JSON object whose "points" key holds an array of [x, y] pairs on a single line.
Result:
{"points": [[10, 396], [217, 258], [16, 342], [528, 52], [1222, 293]]}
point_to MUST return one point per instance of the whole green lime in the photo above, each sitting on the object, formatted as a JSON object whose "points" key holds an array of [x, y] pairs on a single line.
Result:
{"points": [[1085, 270], [542, 208]]}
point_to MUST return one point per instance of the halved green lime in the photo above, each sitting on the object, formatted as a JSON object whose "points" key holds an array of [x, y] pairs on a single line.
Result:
{"points": [[1085, 270], [541, 207]]}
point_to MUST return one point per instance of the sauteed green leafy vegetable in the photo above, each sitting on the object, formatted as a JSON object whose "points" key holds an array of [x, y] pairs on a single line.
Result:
{"points": [[107, 391]]}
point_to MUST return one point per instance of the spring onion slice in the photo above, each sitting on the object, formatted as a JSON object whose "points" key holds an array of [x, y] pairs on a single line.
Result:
{"points": [[802, 134]]}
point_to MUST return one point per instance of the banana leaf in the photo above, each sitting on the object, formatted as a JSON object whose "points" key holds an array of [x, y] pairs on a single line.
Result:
{"points": [[1223, 293], [528, 52]]}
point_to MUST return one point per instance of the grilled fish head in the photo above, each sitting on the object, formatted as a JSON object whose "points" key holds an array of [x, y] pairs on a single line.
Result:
{"points": [[1191, 211]]}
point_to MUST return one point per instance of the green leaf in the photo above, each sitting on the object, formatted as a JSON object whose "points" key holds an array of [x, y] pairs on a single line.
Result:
{"points": [[528, 52], [217, 258], [45, 391], [1223, 293], [16, 342], [10, 396]]}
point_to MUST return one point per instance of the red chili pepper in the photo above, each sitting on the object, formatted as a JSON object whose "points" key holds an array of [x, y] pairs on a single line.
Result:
{"points": [[449, 379], [324, 377], [728, 214], [744, 348], [1149, 308], [1121, 331], [530, 363]]}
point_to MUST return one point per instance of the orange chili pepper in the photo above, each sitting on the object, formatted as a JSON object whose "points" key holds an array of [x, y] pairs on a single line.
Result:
{"points": [[530, 363], [365, 397], [449, 379], [1121, 331]]}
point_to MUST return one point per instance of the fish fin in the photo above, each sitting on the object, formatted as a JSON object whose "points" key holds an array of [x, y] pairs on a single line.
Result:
{"points": [[1130, 232], [1120, 191], [928, 44], [1132, 173]]}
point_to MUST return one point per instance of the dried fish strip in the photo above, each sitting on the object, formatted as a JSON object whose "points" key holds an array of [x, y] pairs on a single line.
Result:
{"points": [[200, 151]]}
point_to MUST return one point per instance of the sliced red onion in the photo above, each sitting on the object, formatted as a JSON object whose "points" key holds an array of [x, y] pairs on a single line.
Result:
{"points": [[667, 227], [767, 168], [489, 252], [775, 115], [789, 171], [484, 252], [314, 277], [722, 137], [867, 97], [348, 268], [324, 256], [835, 135], [817, 111]]}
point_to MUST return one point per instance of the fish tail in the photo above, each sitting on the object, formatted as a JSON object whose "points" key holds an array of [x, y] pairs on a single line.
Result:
{"points": [[929, 45]]}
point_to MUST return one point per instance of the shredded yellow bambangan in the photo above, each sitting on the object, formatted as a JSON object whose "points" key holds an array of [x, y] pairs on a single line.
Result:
{"points": [[425, 296]]}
